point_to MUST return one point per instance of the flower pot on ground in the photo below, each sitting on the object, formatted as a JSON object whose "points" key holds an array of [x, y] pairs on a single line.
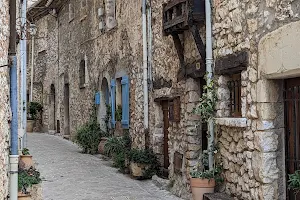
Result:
{"points": [[202, 186], [30, 125], [26, 160], [33, 111], [143, 163], [101, 146], [203, 180], [26, 179], [22, 196]]}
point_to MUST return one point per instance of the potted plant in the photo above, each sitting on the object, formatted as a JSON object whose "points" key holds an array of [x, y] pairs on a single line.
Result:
{"points": [[26, 159], [143, 163], [118, 148], [34, 109], [105, 137], [294, 181], [26, 179], [204, 180]]}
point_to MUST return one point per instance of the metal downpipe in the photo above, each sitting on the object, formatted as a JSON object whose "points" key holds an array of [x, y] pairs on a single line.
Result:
{"points": [[145, 66], [209, 62]]}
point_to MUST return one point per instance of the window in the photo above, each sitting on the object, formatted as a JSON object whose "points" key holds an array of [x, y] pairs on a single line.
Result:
{"points": [[234, 86], [82, 74]]}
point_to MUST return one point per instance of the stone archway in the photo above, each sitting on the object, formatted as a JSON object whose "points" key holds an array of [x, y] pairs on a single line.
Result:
{"points": [[52, 116], [102, 110]]}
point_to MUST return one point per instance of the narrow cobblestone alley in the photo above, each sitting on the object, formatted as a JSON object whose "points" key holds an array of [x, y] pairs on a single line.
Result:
{"points": [[69, 175]]}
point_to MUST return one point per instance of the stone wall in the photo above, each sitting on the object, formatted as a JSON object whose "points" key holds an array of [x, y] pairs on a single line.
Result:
{"points": [[4, 99], [185, 136], [66, 40], [241, 25]]}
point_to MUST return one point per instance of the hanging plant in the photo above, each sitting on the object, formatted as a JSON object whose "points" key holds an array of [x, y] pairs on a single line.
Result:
{"points": [[206, 107]]}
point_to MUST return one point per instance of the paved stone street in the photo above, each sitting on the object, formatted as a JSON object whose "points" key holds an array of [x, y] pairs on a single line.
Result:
{"points": [[70, 175]]}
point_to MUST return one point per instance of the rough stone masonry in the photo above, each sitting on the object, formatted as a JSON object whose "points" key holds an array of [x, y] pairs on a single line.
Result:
{"points": [[4, 98]]}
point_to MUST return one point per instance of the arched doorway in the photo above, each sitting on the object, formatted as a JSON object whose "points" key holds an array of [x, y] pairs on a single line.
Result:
{"points": [[102, 109], [52, 116]]}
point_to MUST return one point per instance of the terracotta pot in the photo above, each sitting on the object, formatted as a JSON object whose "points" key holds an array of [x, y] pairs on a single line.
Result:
{"points": [[26, 160], [30, 125], [138, 169], [22, 196], [101, 145], [202, 186]]}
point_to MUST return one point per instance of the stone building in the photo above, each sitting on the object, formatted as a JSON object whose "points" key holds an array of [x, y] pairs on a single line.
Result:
{"points": [[4, 99], [256, 66], [74, 59], [87, 48]]}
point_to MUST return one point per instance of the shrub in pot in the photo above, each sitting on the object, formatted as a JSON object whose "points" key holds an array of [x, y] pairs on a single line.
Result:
{"points": [[26, 159], [118, 148], [34, 109], [204, 180], [89, 136], [143, 163], [26, 179]]}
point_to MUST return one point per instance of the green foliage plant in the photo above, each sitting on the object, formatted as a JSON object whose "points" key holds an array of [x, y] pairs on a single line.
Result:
{"points": [[147, 157], [27, 178], [206, 107], [118, 148], [33, 109], [201, 169], [89, 136], [119, 113], [25, 152], [294, 181]]}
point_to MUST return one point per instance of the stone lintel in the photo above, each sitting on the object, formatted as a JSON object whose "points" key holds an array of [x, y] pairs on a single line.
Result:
{"points": [[232, 122]]}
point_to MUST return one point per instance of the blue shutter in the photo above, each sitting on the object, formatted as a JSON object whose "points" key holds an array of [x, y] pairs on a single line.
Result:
{"points": [[113, 103], [125, 102], [97, 98]]}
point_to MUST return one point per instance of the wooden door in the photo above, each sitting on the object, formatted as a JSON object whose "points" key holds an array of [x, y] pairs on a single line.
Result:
{"points": [[292, 129], [66, 109], [165, 107]]}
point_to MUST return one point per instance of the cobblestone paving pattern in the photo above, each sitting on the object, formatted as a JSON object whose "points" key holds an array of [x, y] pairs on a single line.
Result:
{"points": [[71, 175]]}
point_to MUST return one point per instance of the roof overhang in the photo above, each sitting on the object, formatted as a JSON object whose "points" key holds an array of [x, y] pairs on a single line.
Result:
{"points": [[44, 7]]}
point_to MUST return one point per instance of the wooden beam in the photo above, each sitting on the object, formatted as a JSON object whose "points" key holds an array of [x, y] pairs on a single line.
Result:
{"points": [[233, 63], [198, 41]]}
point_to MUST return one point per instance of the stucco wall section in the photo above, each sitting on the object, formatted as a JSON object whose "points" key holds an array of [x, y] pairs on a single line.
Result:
{"points": [[4, 98]]}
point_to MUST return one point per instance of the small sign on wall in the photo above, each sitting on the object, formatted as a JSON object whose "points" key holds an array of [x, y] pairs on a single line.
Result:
{"points": [[97, 98]]}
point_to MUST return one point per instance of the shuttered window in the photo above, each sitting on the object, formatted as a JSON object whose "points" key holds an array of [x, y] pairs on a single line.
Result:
{"points": [[113, 103], [125, 102]]}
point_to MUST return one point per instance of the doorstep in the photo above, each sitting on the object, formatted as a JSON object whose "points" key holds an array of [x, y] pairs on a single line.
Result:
{"points": [[217, 196]]}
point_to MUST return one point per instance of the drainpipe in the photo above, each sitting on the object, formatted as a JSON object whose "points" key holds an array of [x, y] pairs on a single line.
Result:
{"points": [[209, 62], [150, 44], [145, 66], [13, 157], [32, 63], [23, 52]]}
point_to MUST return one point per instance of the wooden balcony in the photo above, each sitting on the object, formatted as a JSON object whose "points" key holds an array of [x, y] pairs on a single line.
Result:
{"points": [[179, 15]]}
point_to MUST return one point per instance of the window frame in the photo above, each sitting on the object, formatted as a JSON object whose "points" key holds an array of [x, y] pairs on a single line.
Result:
{"points": [[235, 89]]}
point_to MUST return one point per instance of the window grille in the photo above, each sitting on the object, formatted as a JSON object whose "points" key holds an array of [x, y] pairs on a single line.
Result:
{"points": [[234, 86]]}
